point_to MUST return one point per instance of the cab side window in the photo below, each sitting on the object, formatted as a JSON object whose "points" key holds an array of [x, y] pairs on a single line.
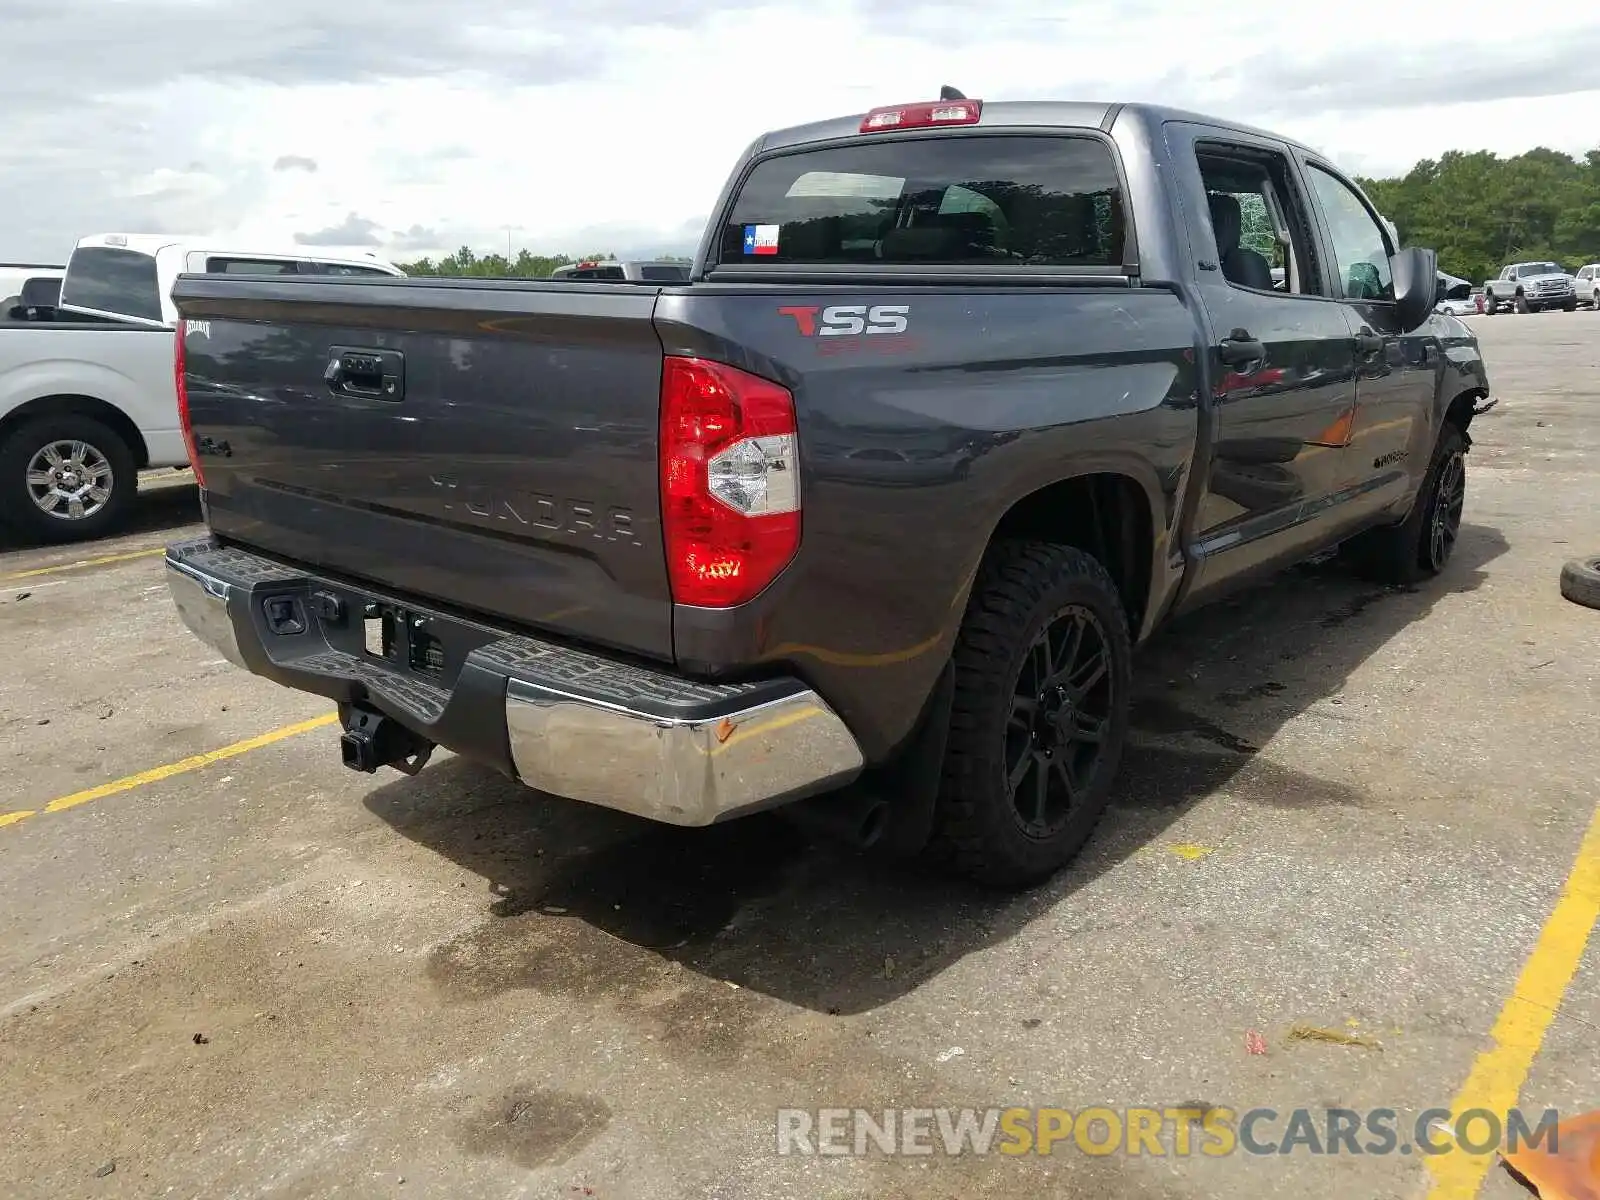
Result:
{"points": [[1361, 248]]}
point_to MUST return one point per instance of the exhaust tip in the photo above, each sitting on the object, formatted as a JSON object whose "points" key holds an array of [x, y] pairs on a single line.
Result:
{"points": [[874, 824]]}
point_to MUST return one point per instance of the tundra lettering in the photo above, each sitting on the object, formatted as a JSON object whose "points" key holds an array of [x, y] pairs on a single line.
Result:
{"points": [[538, 510]]}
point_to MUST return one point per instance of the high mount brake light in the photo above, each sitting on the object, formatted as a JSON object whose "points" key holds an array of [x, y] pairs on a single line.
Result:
{"points": [[180, 362], [730, 481], [924, 115]]}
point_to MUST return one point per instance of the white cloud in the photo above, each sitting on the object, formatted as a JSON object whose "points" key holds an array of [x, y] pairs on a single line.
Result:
{"points": [[425, 133]]}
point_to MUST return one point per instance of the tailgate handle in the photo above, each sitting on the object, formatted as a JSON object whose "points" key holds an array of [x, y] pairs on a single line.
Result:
{"points": [[368, 374]]}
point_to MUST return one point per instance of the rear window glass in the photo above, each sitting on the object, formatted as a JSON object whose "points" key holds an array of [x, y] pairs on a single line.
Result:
{"points": [[664, 274], [960, 201], [113, 281]]}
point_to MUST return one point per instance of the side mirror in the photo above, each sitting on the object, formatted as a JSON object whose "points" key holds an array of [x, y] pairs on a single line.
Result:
{"points": [[1416, 285]]}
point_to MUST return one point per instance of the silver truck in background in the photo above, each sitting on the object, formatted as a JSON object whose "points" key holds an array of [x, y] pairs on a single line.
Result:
{"points": [[1530, 287], [88, 398], [625, 271]]}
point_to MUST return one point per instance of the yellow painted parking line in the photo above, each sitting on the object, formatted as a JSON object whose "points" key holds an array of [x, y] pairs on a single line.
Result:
{"points": [[83, 562], [1499, 1072], [182, 766]]}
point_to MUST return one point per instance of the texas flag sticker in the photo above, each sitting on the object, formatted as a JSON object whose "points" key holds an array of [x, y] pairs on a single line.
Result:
{"points": [[760, 239]]}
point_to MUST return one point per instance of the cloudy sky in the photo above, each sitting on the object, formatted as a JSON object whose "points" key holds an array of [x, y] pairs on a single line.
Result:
{"points": [[415, 126]]}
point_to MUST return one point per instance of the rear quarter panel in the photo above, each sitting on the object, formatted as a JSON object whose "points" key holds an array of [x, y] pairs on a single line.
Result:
{"points": [[915, 445], [128, 368]]}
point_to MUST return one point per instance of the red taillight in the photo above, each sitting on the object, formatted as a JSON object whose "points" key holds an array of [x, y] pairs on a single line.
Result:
{"points": [[730, 481], [923, 115], [179, 361]]}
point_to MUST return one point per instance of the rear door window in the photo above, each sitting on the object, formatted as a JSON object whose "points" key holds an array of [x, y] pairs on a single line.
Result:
{"points": [[346, 269], [965, 200], [231, 265], [109, 280]]}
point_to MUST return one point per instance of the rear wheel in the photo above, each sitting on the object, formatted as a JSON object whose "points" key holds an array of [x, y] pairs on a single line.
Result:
{"points": [[1043, 669], [65, 478], [1420, 546]]}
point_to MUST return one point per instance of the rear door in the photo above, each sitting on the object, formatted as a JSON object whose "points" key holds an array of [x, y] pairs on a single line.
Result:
{"points": [[1283, 419], [1399, 372]]}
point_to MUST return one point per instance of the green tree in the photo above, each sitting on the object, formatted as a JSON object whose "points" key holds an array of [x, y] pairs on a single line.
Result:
{"points": [[1481, 211], [527, 265]]}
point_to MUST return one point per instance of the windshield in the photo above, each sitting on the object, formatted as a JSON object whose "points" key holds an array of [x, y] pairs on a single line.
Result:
{"points": [[1544, 268], [965, 200]]}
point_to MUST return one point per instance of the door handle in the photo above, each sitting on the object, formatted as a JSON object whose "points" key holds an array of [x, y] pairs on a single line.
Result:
{"points": [[1368, 344], [366, 374], [1239, 349]]}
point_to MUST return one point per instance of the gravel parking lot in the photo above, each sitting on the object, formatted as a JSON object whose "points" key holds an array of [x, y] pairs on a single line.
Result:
{"points": [[258, 973]]}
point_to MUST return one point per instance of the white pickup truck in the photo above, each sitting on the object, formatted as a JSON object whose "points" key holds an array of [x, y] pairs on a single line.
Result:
{"points": [[88, 397]]}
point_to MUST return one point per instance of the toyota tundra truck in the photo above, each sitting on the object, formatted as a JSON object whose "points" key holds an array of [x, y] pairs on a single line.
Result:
{"points": [[961, 402]]}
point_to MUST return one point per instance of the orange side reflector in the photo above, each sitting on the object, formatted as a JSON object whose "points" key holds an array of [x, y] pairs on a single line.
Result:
{"points": [[1339, 433]]}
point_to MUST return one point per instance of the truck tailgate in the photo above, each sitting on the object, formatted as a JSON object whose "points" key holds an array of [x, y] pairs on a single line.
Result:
{"points": [[486, 445]]}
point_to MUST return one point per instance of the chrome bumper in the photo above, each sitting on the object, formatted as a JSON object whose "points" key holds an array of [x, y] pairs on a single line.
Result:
{"points": [[712, 756], [683, 772], [202, 604]]}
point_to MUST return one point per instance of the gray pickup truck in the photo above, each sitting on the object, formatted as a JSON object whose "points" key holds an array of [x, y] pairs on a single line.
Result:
{"points": [[962, 402], [1530, 287]]}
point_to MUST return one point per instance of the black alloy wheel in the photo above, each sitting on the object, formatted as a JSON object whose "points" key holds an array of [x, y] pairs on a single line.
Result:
{"points": [[1444, 519], [1060, 716]]}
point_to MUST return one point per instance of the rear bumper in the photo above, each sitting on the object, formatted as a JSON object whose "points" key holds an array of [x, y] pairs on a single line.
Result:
{"points": [[565, 721]]}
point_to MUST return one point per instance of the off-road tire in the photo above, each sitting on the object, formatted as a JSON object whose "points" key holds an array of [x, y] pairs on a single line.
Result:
{"points": [[1570, 305], [1022, 588], [1521, 304], [1490, 308], [1580, 581], [17, 505], [1402, 554]]}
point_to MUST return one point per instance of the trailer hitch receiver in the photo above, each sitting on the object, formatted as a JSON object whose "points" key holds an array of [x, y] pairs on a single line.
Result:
{"points": [[372, 740]]}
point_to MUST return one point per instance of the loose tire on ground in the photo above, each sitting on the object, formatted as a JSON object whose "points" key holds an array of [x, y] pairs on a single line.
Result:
{"points": [[1420, 546], [1580, 581], [1043, 669], [25, 461]]}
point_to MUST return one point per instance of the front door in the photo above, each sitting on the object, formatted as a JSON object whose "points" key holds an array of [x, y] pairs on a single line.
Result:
{"points": [[1398, 373], [1283, 360]]}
